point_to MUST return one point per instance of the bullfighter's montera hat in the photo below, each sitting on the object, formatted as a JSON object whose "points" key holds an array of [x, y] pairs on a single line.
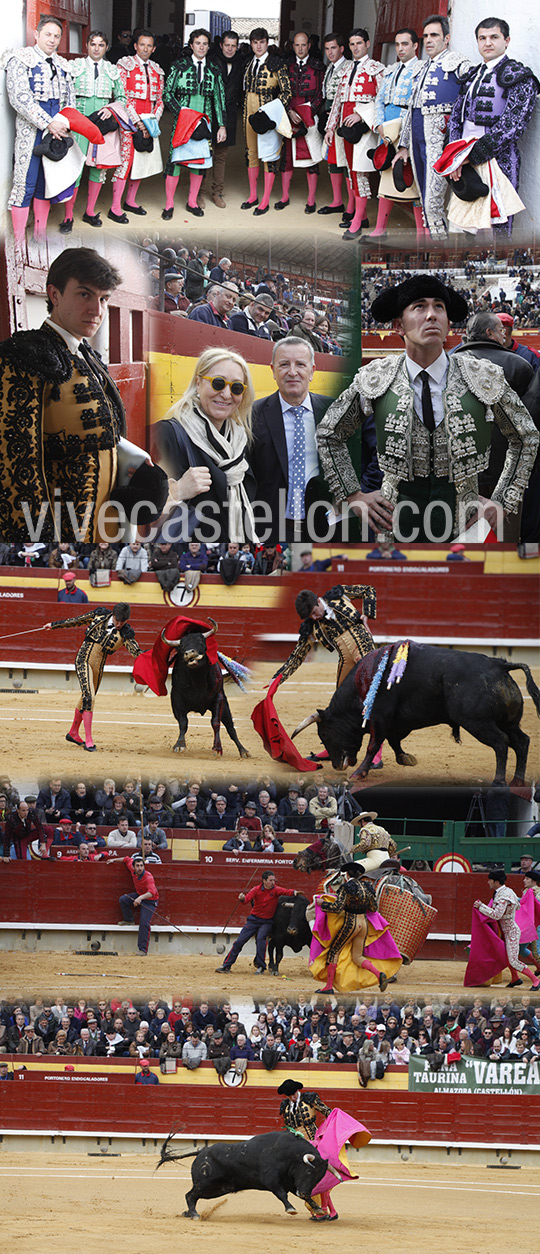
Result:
{"points": [[290, 1087], [391, 303]]}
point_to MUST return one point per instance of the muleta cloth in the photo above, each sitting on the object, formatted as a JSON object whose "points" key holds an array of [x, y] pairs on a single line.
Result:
{"points": [[391, 303], [151, 668], [486, 210], [269, 143], [108, 154], [488, 956], [275, 739], [307, 148], [61, 176], [409, 917]]}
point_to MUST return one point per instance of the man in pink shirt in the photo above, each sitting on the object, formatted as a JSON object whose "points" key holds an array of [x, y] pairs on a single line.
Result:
{"points": [[263, 901]]}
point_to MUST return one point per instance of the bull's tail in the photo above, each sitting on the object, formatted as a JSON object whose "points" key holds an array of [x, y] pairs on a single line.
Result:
{"points": [[170, 1156], [532, 689], [456, 732]]}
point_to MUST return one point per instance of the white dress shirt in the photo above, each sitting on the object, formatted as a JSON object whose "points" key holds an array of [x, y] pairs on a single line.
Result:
{"points": [[312, 458], [437, 378]]}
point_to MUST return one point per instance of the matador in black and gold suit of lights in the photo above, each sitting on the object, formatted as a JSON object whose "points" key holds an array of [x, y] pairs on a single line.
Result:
{"points": [[333, 621], [106, 632], [61, 417]]}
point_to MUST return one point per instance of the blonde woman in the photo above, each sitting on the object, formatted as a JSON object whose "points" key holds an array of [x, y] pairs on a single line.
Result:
{"points": [[202, 444]]}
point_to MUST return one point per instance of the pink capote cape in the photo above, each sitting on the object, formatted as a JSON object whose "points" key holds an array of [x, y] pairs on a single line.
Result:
{"points": [[488, 952], [330, 1140], [383, 947]]}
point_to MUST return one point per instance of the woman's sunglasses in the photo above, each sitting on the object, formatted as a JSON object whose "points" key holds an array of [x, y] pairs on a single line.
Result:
{"points": [[218, 383]]}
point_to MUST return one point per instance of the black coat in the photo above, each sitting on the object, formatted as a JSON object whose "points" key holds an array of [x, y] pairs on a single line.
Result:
{"points": [[174, 451], [233, 83], [269, 460]]}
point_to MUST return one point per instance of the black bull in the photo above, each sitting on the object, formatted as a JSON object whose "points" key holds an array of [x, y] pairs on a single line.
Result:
{"points": [[289, 927], [275, 1162], [197, 685], [465, 690]]}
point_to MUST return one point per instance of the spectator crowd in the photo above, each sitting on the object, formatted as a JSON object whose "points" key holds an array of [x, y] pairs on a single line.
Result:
{"points": [[370, 1035]]}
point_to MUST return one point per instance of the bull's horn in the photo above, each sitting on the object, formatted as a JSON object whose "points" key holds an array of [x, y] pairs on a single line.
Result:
{"points": [[312, 718], [334, 1172], [173, 644], [308, 1158], [213, 631]]}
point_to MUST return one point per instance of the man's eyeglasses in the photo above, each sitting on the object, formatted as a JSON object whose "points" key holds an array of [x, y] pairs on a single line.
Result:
{"points": [[219, 383]]}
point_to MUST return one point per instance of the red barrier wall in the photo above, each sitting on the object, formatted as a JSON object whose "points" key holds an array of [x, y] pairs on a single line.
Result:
{"points": [[191, 894], [215, 1110], [456, 602]]}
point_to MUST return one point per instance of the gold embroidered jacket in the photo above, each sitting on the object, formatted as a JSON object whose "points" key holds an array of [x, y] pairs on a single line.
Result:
{"points": [[60, 421], [102, 632], [302, 1115], [325, 631]]}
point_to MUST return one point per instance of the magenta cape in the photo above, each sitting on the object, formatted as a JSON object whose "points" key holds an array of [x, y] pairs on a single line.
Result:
{"points": [[488, 952], [383, 947], [152, 667], [274, 737], [330, 1138]]}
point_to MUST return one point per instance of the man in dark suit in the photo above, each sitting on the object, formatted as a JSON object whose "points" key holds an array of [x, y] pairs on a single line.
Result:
{"points": [[284, 456]]}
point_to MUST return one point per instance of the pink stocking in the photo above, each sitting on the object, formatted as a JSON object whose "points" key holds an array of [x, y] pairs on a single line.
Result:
{"points": [[87, 720], [285, 184], [171, 183], [268, 185], [383, 214], [69, 205], [327, 1203], [336, 181], [118, 191], [419, 219], [93, 193], [312, 188], [360, 203], [41, 213], [378, 757], [253, 174], [19, 218], [368, 966], [195, 181], [350, 202], [133, 187], [74, 729]]}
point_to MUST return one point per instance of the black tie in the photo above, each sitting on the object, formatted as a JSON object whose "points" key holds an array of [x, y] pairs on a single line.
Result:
{"points": [[200, 72], [398, 74], [96, 70], [353, 72], [427, 403], [52, 67]]}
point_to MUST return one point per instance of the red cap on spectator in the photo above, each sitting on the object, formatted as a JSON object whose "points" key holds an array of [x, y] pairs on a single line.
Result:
{"points": [[506, 319], [68, 575]]}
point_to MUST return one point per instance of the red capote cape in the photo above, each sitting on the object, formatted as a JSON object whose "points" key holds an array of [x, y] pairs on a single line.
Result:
{"points": [[81, 125], [488, 952], [187, 122], [274, 737], [152, 666]]}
